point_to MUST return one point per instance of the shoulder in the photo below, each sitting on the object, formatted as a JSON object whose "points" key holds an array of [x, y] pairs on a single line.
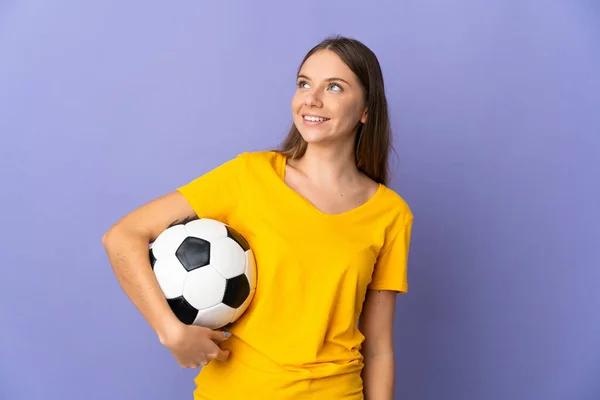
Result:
{"points": [[394, 215], [238, 164], [396, 204], [264, 161], [260, 156]]}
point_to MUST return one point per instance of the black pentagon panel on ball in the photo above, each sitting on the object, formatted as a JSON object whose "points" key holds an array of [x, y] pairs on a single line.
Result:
{"points": [[237, 290], [152, 258], [237, 237], [183, 310], [193, 253]]}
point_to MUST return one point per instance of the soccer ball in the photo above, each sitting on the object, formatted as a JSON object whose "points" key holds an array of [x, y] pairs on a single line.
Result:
{"points": [[206, 271]]}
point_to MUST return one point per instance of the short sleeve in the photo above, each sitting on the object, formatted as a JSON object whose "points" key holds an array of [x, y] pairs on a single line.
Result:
{"points": [[390, 271], [216, 193]]}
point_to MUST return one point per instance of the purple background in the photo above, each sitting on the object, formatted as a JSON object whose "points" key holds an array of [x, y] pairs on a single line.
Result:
{"points": [[496, 112]]}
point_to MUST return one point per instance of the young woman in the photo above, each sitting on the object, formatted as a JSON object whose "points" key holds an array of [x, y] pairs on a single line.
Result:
{"points": [[330, 239]]}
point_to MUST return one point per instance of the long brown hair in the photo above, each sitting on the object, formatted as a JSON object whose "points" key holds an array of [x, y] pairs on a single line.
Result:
{"points": [[373, 139]]}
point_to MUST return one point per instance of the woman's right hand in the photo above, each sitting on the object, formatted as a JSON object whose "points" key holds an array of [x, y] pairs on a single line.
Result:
{"points": [[194, 346]]}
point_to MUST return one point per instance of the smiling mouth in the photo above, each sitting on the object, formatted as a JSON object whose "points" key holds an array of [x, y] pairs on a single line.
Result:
{"points": [[311, 118]]}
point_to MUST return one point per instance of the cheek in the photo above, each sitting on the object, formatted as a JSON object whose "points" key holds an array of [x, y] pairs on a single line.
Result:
{"points": [[351, 112], [296, 105], [296, 102]]}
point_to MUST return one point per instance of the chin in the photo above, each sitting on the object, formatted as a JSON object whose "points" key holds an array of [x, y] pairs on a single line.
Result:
{"points": [[312, 136]]}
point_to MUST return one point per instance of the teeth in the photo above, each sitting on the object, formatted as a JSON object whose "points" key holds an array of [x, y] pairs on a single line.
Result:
{"points": [[314, 119]]}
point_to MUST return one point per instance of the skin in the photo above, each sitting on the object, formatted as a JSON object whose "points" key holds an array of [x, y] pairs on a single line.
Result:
{"points": [[126, 244], [326, 176]]}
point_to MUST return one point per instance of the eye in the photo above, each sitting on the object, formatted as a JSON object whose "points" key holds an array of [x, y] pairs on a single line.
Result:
{"points": [[302, 84], [335, 87]]}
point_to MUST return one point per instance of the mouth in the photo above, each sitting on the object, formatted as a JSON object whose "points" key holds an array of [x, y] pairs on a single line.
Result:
{"points": [[313, 118]]}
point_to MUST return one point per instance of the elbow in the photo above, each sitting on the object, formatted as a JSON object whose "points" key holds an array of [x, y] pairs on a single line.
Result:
{"points": [[378, 350], [122, 233], [108, 237]]}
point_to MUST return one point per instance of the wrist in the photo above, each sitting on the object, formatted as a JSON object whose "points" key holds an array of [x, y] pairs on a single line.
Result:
{"points": [[167, 329]]}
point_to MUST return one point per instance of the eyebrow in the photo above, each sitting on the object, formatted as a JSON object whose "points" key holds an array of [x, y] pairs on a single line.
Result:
{"points": [[327, 80]]}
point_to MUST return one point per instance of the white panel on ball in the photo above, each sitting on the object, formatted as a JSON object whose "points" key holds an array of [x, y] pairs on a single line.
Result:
{"points": [[204, 287], [227, 257], [215, 317], [207, 229], [171, 276], [168, 241]]}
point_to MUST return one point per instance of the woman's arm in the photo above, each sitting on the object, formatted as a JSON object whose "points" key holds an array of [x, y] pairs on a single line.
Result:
{"points": [[127, 246], [377, 324]]}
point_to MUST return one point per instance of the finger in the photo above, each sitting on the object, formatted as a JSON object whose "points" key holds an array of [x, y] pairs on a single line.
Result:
{"points": [[223, 355], [220, 336]]}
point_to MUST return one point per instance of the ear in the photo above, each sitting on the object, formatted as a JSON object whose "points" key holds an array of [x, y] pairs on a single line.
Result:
{"points": [[364, 116]]}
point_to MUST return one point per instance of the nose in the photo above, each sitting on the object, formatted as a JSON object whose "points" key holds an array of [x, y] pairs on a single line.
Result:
{"points": [[313, 99]]}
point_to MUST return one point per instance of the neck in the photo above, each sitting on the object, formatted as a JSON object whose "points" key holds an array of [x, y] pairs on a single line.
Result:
{"points": [[328, 165]]}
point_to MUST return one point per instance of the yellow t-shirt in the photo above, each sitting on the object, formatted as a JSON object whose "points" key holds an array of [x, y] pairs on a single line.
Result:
{"points": [[299, 337]]}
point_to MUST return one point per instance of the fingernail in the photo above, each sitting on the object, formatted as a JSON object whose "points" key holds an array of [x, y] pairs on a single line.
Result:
{"points": [[227, 334]]}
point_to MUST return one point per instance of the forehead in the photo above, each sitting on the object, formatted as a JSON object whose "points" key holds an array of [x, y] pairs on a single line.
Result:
{"points": [[326, 64]]}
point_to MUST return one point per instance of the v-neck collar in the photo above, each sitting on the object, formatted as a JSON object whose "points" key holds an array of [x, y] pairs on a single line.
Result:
{"points": [[281, 170]]}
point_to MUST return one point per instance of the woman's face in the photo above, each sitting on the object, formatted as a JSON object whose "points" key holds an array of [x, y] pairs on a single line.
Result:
{"points": [[329, 100]]}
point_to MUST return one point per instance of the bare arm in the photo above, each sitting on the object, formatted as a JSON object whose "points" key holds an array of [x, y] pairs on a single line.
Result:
{"points": [[376, 324], [126, 244]]}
